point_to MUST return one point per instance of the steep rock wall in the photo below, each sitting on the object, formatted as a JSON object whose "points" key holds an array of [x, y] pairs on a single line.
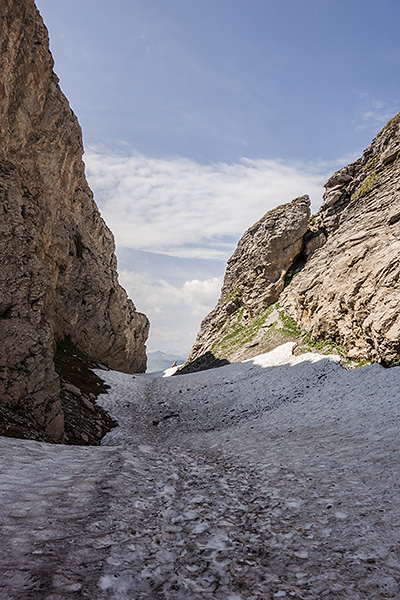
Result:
{"points": [[58, 273], [254, 278], [345, 289], [349, 290]]}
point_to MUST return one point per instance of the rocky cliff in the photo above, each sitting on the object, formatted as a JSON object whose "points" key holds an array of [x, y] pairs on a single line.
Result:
{"points": [[58, 274], [331, 279], [254, 278], [349, 290]]}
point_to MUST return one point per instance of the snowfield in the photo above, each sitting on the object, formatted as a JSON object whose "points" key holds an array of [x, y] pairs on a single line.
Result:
{"points": [[273, 478]]}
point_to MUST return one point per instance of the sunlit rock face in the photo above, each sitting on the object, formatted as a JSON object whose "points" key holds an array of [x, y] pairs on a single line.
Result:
{"points": [[349, 290], [58, 270], [345, 263], [254, 278]]}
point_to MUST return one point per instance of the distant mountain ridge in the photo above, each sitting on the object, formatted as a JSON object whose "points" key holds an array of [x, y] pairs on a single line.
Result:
{"points": [[157, 360], [332, 279]]}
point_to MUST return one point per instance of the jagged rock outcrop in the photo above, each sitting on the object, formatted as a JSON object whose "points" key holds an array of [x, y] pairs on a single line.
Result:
{"points": [[254, 278], [58, 271], [347, 288]]}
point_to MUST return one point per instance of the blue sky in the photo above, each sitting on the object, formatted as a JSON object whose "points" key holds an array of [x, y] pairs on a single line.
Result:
{"points": [[198, 116]]}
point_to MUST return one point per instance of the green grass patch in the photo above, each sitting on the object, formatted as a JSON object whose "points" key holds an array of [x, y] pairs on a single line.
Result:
{"points": [[356, 364], [365, 187], [239, 331], [324, 347], [289, 326], [234, 295]]}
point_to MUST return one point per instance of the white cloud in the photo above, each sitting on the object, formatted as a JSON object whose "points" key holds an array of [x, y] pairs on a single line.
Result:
{"points": [[185, 209], [160, 296], [201, 295], [175, 312], [182, 208], [375, 113]]}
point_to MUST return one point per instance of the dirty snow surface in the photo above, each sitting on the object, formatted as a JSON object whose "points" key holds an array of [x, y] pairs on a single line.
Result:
{"points": [[273, 478]]}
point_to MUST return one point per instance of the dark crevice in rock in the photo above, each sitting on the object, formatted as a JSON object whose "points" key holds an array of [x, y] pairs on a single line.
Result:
{"points": [[297, 265], [6, 313], [394, 219], [313, 239], [79, 245]]}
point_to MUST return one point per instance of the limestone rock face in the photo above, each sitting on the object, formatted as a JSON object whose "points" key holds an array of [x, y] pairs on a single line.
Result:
{"points": [[349, 290], [255, 274], [346, 285], [58, 270]]}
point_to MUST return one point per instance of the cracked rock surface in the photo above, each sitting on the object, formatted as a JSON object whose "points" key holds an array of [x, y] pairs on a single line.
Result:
{"points": [[336, 274]]}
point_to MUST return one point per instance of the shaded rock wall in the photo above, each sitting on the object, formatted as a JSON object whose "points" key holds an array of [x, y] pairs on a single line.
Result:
{"points": [[58, 273]]}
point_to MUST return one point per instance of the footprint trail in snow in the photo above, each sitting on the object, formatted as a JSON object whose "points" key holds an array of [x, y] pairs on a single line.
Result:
{"points": [[273, 478]]}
